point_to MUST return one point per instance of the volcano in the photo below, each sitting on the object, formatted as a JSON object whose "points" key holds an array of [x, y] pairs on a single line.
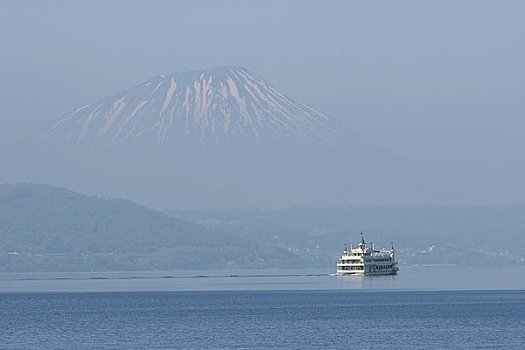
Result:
{"points": [[216, 107], [219, 137]]}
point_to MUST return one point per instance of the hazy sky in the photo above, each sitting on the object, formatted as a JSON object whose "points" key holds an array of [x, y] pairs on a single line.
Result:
{"points": [[442, 81]]}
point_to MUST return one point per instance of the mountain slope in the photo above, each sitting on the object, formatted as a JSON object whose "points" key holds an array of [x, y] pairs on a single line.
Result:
{"points": [[45, 228], [217, 106], [62, 220]]}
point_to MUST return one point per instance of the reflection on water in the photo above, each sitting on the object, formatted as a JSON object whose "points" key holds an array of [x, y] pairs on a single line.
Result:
{"points": [[368, 282], [409, 278]]}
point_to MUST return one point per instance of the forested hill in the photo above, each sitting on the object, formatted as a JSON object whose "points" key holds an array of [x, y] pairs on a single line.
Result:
{"points": [[45, 228], [49, 228]]}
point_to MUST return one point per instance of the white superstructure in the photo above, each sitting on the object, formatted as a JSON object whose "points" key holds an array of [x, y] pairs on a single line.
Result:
{"points": [[364, 260]]}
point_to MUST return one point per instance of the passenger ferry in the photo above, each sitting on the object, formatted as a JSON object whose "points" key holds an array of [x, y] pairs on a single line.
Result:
{"points": [[364, 260]]}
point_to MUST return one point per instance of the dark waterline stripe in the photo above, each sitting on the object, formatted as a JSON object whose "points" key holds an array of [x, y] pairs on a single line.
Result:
{"points": [[162, 277]]}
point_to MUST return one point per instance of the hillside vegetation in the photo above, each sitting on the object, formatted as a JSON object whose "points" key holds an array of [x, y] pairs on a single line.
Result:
{"points": [[45, 228], [49, 228]]}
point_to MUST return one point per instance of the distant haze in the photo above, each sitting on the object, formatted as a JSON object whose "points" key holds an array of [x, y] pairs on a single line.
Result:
{"points": [[436, 89]]}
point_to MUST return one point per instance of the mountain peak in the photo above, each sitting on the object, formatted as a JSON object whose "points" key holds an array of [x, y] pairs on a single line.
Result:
{"points": [[210, 107]]}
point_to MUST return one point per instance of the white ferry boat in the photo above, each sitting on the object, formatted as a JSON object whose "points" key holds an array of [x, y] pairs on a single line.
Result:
{"points": [[364, 260]]}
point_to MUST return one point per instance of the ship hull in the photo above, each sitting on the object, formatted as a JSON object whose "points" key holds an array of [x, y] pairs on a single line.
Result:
{"points": [[361, 273]]}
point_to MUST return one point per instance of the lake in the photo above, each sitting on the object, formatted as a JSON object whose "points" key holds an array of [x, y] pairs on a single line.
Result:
{"points": [[421, 308], [409, 278]]}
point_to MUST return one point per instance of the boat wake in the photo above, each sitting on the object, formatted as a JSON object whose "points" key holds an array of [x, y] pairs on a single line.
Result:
{"points": [[166, 277]]}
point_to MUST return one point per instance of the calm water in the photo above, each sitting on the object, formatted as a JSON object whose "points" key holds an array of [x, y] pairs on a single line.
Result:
{"points": [[409, 278], [421, 308], [264, 320]]}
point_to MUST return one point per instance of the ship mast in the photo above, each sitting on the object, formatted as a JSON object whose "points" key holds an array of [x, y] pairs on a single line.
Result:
{"points": [[362, 244]]}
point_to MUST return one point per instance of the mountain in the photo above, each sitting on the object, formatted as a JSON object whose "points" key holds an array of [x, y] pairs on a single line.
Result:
{"points": [[207, 108], [46, 228], [219, 137]]}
